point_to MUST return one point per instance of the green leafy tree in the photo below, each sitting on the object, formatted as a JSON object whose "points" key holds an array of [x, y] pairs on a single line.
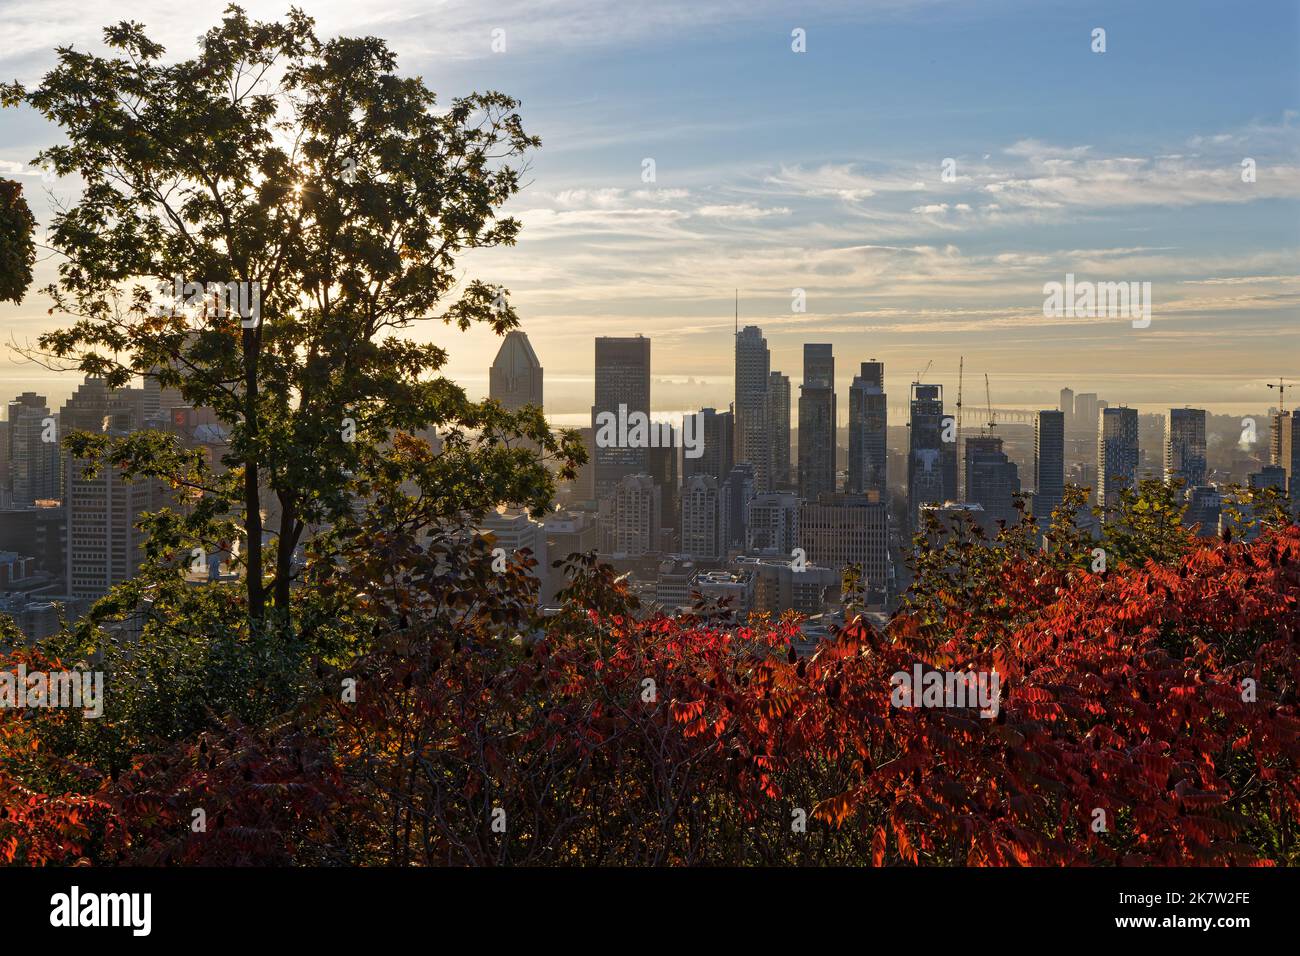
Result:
{"points": [[1250, 511], [17, 245], [954, 563], [320, 201], [1146, 525]]}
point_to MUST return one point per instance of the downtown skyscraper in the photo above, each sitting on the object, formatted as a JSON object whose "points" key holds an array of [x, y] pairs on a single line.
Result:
{"points": [[1087, 408], [753, 408], [622, 379], [1117, 454], [515, 378], [1284, 446], [992, 479], [931, 461], [718, 430], [778, 409], [1067, 405], [702, 532], [1293, 468], [817, 422], [105, 544], [630, 517], [1049, 465], [1185, 448], [734, 497], [868, 419], [33, 451], [838, 530]]}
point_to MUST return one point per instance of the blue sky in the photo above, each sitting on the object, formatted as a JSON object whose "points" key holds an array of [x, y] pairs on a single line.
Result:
{"points": [[820, 170]]}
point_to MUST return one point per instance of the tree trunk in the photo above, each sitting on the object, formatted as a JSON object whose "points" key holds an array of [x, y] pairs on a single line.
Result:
{"points": [[289, 532], [252, 497]]}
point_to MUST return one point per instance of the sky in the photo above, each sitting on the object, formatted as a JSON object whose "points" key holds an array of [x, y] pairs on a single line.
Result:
{"points": [[823, 171]]}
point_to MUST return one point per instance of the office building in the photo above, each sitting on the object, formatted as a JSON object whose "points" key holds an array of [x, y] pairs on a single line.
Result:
{"points": [[157, 400], [33, 451], [40, 531], [734, 497], [779, 587], [992, 480], [817, 422], [1282, 443], [1117, 454], [733, 588], [868, 420], [105, 546], [773, 524], [954, 519], [1087, 409], [752, 407], [1067, 406], [630, 518], [662, 464], [778, 397], [515, 378], [1049, 464], [569, 533], [622, 382], [718, 436], [702, 525], [931, 461], [1185, 460], [1270, 476], [839, 530], [512, 530], [1204, 510]]}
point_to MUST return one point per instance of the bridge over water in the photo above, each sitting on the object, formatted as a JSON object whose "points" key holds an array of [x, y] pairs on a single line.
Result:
{"points": [[899, 414]]}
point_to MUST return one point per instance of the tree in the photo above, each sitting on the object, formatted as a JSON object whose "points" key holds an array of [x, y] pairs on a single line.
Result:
{"points": [[1147, 524], [17, 246], [319, 202]]}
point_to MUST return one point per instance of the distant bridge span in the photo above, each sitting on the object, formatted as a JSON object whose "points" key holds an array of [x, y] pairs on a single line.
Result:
{"points": [[899, 414]]}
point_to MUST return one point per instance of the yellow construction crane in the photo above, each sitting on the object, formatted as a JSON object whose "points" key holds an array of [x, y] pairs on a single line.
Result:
{"points": [[988, 397], [917, 380], [1281, 393]]}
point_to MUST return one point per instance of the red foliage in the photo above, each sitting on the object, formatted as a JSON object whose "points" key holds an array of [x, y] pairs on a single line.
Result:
{"points": [[237, 797], [1125, 693], [1121, 693], [39, 827]]}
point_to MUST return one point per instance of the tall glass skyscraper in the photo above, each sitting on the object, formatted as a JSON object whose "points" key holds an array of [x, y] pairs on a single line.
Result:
{"points": [[622, 378], [817, 422], [1117, 453], [1185, 448], [931, 462], [753, 410], [868, 419], [1049, 465]]}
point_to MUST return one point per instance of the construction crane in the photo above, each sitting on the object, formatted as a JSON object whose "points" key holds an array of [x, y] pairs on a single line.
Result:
{"points": [[1281, 393], [917, 380], [988, 397], [961, 366], [961, 458]]}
